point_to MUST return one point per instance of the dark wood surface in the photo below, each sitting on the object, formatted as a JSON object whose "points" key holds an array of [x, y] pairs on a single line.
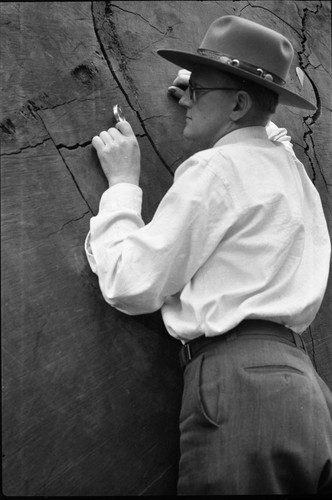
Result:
{"points": [[91, 396]]}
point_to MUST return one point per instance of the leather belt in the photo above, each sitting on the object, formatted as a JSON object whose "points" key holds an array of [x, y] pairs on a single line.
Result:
{"points": [[251, 328]]}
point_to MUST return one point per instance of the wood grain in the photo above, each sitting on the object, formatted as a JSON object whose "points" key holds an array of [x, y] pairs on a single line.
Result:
{"points": [[91, 396]]}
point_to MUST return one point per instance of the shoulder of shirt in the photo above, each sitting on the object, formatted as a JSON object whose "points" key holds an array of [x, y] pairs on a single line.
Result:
{"points": [[203, 160]]}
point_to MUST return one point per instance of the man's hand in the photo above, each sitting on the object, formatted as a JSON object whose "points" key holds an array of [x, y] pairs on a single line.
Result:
{"points": [[119, 154], [180, 83]]}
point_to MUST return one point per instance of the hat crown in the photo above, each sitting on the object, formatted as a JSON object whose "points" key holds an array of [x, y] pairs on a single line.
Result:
{"points": [[248, 50], [250, 43]]}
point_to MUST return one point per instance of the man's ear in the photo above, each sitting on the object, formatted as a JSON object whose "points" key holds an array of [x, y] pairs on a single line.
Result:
{"points": [[242, 105]]}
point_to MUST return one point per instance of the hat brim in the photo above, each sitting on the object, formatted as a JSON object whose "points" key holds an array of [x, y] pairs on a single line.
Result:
{"points": [[188, 60]]}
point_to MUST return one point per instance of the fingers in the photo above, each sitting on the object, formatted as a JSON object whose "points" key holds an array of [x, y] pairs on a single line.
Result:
{"points": [[180, 83], [97, 143], [107, 137], [103, 139], [176, 91], [182, 78], [113, 134], [184, 72]]}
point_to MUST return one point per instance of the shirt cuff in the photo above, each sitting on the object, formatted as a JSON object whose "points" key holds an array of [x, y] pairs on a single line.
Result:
{"points": [[122, 196]]}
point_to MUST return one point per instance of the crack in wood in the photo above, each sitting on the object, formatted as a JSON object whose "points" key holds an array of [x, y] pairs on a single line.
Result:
{"points": [[271, 12], [74, 146], [33, 109], [310, 120], [138, 15], [165, 33], [123, 68], [19, 151], [65, 103], [66, 165], [68, 222], [8, 127]]}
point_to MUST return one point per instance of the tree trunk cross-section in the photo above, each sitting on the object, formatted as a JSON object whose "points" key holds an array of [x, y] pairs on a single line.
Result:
{"points": [[91, 396]]}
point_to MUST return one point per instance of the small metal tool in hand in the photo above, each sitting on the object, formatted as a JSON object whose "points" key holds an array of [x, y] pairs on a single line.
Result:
{"points": [[118, 113]]}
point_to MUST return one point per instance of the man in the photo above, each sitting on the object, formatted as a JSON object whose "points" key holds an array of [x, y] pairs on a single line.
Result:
{"points": [[237, 258]]}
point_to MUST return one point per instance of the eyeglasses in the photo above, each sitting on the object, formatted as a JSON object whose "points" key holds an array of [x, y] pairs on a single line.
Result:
{"points": [[193, 90]]}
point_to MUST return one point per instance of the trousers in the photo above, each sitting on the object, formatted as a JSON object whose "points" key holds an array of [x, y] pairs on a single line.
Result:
{"points": [[256, 418]]}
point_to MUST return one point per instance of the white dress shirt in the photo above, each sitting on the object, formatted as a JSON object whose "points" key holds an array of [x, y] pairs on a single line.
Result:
{"points": [[241, 234]]}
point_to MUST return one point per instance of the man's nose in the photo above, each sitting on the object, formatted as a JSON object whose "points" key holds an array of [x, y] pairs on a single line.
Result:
{"points": [[185, 100]]}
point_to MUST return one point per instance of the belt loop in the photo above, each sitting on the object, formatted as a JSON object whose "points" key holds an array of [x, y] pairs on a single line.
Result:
{"points": [[185, 355], [299, 342], [187, 351]]}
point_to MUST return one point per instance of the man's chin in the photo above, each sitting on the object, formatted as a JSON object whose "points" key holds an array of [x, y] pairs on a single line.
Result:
{"points": [[187, 134], [192, 143]]}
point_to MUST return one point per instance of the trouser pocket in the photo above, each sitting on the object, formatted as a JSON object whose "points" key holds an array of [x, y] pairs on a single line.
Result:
{"points": [[211, 395], [265, 369]]}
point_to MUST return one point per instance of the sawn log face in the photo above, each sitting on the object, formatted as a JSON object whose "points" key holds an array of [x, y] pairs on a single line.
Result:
{"points": [[91, 396]]}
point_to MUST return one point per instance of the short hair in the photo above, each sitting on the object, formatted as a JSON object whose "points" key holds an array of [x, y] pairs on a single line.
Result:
{"points": [[264, 99]]}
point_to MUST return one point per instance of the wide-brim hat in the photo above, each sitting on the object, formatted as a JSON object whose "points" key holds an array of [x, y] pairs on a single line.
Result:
{"points": [[246, 49]]}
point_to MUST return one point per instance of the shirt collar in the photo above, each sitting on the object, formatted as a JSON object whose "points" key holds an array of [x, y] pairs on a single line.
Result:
{"points": [[242, 134]]}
